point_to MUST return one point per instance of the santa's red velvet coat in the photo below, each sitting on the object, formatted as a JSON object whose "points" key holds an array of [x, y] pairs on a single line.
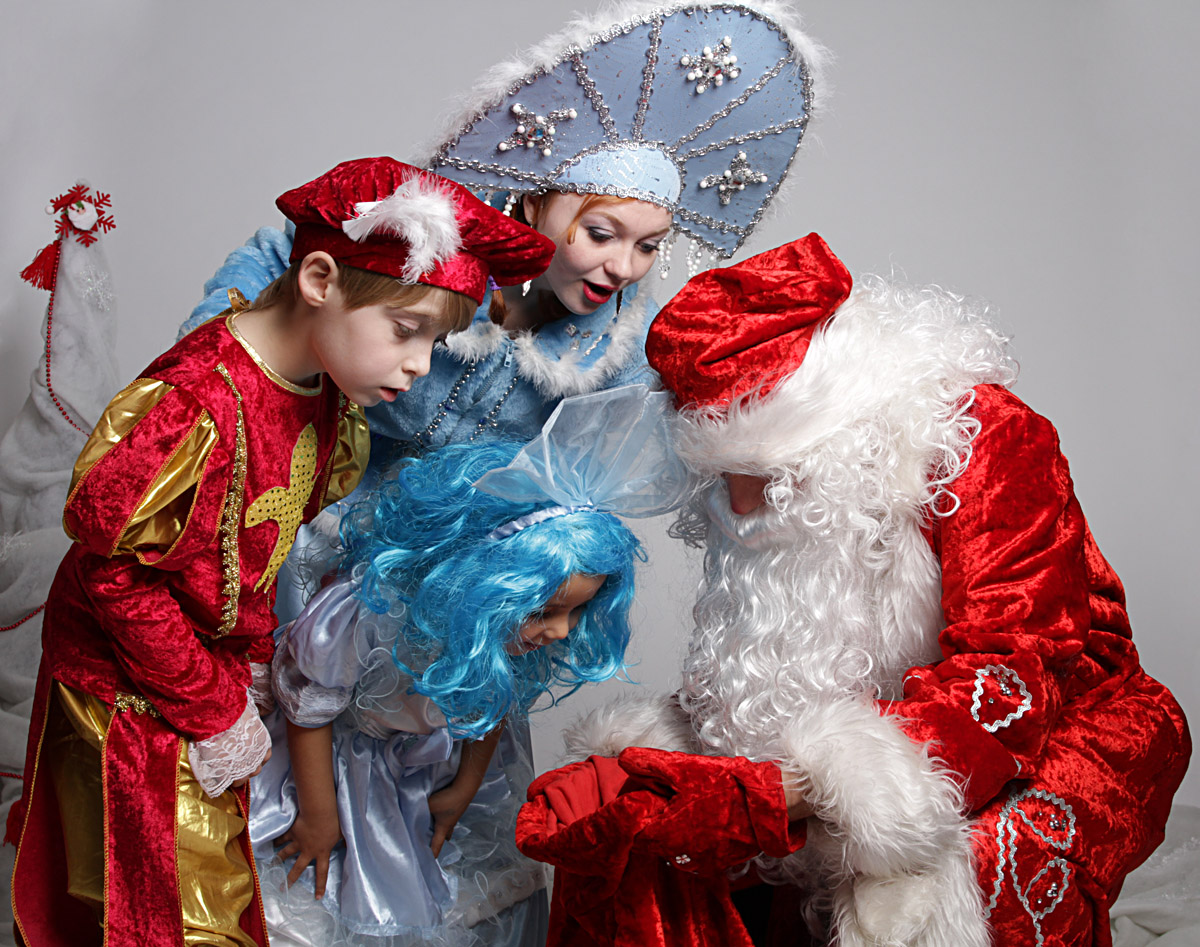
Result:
{"points": [[1020, 768]]}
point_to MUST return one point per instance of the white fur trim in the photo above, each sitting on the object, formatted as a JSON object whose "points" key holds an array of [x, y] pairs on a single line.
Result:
{"points": [[656, 721], [496, 84], [561, 377], [893, 809], [939, 907], [894, 352], [423, 213], [477, 342]]}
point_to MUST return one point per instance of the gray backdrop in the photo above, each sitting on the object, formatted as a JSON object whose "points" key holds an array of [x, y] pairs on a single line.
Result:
{"points": [[1042, 155]]}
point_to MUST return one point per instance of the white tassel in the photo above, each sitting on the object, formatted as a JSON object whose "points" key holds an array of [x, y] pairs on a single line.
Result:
{"points": [[422, 213]]}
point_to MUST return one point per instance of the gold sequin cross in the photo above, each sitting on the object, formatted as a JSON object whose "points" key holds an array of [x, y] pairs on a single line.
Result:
{"points": [[285, 505]]}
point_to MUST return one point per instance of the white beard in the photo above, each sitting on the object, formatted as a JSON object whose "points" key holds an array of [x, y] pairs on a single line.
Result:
{"points": [[800, 606], [831, 590]]}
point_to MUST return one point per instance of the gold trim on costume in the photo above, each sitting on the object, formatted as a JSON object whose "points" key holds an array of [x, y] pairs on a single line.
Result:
{"points": [[38, 770], [285, 505], [266, 369], [164, 509], [135, 702], [350, 454], [128, 406], [230, 517]]}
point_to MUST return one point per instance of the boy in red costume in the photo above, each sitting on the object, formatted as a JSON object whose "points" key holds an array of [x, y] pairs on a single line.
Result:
{"points": [[911, 682], [183, 506]]}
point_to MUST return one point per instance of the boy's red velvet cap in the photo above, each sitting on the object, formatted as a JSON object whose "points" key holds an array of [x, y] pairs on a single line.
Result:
{"points": [[382, 215], [743, 328]]}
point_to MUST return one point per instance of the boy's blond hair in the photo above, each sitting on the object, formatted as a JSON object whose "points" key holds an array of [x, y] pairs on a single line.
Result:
{"points": [[363, 288]]}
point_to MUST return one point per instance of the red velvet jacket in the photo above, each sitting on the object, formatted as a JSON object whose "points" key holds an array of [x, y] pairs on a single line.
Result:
{"points": [[184, 503], [1039, 708]]}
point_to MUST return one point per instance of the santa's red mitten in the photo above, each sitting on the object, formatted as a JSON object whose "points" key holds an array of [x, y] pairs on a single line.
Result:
{"points": [[578, 820], [721, 810]]}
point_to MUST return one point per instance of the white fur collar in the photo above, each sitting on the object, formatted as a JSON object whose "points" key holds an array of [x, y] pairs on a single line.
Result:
{"points": [[561, 376], [479, 341]]}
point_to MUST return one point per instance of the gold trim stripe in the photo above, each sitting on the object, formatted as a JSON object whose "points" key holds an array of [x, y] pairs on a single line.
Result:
{"points": [[230, 517]]}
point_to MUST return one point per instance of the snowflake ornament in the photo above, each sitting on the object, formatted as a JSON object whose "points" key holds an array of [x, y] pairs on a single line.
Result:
{"points": [[535, 131], [734, 178], [712, 67], [82, 213]]}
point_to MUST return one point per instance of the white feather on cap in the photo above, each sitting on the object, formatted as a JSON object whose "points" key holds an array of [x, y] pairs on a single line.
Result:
{"points": [[422, 213]]}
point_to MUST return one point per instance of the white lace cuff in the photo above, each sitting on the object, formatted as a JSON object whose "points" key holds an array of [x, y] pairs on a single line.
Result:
{"points": [[260, 687], [223, 759]]}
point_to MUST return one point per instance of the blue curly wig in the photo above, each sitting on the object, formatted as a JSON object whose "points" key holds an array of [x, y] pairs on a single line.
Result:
{"points": [[418, 549]]}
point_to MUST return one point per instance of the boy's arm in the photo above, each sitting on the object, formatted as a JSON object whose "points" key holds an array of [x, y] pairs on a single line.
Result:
{"points": [[159, 651], [449, 803], [146, 494], [317, 828]]}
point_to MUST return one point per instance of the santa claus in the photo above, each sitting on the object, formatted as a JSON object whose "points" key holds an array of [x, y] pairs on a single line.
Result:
{"points": [[911, 695]]}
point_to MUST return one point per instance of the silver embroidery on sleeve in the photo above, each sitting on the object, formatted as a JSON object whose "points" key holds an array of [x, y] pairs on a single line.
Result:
{"points": [[1052, 821], [996, 689]]}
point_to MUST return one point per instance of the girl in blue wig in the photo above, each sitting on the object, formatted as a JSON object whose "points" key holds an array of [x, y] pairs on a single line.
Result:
{"points": [[472, 581]]}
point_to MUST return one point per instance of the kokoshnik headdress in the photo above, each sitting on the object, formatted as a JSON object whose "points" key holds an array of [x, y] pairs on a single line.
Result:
{"points": [[697, 108], [605, 452]]}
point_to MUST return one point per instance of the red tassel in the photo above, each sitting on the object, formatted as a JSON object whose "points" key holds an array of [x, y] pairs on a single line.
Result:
{"points": [[44, 268]]}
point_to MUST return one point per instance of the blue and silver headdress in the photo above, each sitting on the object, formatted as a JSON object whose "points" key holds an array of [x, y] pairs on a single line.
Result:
{"points": [[697, 108]]}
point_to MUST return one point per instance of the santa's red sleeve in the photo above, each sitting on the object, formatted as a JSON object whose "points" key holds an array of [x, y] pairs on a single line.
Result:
{"points": [[1022, 587], [1021, 578]]}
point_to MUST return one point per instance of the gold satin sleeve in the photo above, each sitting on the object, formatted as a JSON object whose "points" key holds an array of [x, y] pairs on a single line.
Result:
{"points": [[160, 517], [350, 456]]}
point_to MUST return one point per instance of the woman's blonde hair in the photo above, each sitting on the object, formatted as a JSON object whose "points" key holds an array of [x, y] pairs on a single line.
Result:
{"points": [[542, 202]]}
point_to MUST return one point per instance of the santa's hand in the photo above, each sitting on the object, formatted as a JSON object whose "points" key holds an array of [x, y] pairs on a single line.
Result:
{"points": [[231, 757], [581, 818], [721, 810]]}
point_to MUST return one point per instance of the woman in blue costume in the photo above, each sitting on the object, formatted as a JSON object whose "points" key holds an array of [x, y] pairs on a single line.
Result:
{"points": [[472, 581], [691, 115]]}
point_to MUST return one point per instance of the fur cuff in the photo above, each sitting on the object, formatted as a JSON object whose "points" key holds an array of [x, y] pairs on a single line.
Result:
{"points": [[657, 722], [888, 804], [938, 907]]}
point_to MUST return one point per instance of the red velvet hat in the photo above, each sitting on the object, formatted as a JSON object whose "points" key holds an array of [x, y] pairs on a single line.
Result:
{"points": [[743, 328], [382, 215]]}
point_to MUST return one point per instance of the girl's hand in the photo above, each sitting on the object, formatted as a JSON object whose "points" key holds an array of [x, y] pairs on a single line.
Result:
{"points": [[447, 806], [311, 839]]}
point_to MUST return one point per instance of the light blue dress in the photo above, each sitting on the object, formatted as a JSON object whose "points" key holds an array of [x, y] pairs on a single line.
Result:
{"points": [[391, 750]]}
